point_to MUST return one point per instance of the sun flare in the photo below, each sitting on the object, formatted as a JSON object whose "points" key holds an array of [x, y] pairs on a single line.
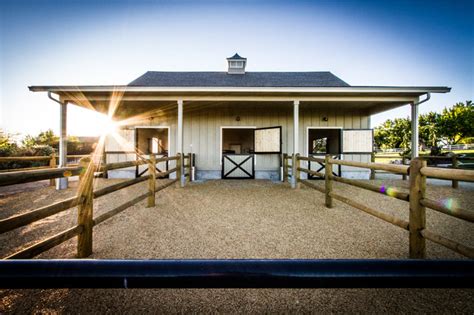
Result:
{"points": [[107, 125]]}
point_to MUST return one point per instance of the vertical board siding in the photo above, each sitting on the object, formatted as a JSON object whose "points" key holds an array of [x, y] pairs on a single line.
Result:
{"points": [[202, 129]]}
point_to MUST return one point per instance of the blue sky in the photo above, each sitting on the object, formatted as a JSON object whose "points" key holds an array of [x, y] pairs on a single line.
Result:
{"points": [[113, 42]]}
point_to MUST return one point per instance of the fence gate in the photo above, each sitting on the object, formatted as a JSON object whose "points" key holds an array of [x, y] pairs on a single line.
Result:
{"points": [[238, 166]]}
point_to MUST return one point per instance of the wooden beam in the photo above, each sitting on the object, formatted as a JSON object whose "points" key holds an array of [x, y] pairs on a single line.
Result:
{"points": [[459, 213], [450, 174], [46, 244], [398, 169], [113, 188], [417, 210], [52, 164], [446, 242], [85, 208], [151, 181], [23, 219], [19, 177], [327, 181], [190, 166], [120, 208], [381, 215], [309, 184], [376, 188], [307, 171]]}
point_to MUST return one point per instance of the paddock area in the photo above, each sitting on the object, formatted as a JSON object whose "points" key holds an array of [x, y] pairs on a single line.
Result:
{"points": [[238, 219]]}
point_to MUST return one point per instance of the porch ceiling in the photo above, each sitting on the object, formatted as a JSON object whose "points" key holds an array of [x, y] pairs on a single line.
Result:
{"points": [[128, 109], [137, 100]]}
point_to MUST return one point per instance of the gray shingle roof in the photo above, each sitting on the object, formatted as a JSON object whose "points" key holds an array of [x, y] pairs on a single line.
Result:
{"points": [[236, 56], [249, 79]]}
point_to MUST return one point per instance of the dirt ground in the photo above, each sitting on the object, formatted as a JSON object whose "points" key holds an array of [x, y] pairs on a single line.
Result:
{"points": [[239, 219]]}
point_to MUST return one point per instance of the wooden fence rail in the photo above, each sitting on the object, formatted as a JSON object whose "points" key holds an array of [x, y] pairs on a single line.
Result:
{"points": [[52, 163], [418, 171], [84, 202], [20, 177], [455, 158], [37, 158]]}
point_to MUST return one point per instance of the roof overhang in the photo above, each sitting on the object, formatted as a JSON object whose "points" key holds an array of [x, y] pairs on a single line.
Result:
{"points": [[346, 89], [372, 99]]}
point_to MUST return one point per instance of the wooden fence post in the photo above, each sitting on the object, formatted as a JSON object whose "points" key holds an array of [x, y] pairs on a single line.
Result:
{"points": [[298, 172], [417, 211], [293, 170], [151, 180], [285, 167], [85, 208], [372, 171], [52, 164], [190, 166], [104, 163], [327, 180], [455, 183], [178, 169], [404, 176]]}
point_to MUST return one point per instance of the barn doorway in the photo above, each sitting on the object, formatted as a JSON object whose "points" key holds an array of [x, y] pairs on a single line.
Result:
{"points": [[151, 140], [237, 150], [322, 141]]}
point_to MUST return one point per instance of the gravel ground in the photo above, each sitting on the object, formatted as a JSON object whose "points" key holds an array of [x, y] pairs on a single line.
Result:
{"points": [[239, 219]]}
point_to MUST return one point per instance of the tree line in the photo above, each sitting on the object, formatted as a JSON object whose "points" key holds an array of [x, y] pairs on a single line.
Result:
{"points": [[43, 144], [454, 125]]}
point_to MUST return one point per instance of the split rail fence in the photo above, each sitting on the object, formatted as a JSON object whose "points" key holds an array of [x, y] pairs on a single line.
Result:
{"points": [[418, 171], [53, 158], [87, 171], [404, 160]]}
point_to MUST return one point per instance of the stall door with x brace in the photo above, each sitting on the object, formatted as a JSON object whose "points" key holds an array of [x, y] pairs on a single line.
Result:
{"points": [[238, 160]]}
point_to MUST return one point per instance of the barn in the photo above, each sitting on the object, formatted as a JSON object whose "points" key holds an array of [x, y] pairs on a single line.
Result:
{"points": [[237, 124]]}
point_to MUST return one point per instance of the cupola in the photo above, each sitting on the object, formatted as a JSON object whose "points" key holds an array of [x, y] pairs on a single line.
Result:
{"points": [[236, 64]]}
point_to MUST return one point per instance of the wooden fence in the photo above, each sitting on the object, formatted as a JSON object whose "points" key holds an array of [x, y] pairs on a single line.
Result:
{"points": [[51, 158], [418, 202], [454, 159], [84, 200]]}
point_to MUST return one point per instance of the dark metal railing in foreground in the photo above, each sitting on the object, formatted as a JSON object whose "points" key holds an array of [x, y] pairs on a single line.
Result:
{"points": [[285, 273]]}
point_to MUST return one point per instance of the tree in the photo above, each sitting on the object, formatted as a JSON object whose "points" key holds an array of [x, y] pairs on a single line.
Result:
{"points": [[393, 134], [43, 138], [429, 130], [8, 146], [453, 125], [382, 135], [47, 138], [401, 133], [457, 123]]}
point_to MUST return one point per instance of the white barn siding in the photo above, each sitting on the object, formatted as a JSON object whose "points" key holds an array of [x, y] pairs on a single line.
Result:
{"points": [[202, 130]]}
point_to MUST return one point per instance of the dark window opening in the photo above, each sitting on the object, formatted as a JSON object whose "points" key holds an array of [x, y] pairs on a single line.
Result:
{"points": [[238, 140]]}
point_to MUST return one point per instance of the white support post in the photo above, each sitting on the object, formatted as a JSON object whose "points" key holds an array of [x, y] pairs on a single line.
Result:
{"points": [[296, 105], [414, 130], [62, 183], [179, 142]]}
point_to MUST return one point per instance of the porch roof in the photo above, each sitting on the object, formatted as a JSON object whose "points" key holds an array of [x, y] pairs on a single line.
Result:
{"points": [[372, 99]]}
